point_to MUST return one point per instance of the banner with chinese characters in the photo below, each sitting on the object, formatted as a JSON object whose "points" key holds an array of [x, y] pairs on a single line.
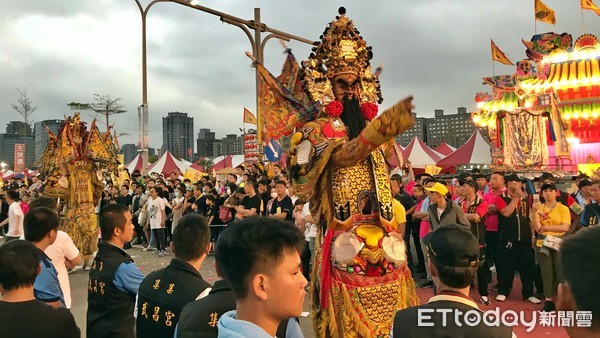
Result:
{"points": [[19, 158], [432, 170]]}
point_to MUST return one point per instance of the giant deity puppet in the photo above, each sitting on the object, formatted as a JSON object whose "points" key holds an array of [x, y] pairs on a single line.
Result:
{"points": [[71, 163], [339, 161]]}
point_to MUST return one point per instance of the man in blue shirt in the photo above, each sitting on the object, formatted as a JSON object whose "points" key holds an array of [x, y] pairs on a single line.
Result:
{"points": [[41, 226], [114, 278]]}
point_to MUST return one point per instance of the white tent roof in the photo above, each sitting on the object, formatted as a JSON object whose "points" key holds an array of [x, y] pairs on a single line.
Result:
{"points": [[420, 155], [166, 164]]}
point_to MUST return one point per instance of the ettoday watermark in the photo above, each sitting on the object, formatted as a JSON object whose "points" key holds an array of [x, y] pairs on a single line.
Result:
{"points": [[495, 317]]}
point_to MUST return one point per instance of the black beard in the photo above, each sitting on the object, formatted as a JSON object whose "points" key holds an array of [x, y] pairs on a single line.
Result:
{"points": [[352, 117]]}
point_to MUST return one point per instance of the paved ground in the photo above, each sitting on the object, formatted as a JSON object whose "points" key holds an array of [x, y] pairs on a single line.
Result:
{"points": [[149, 262]]}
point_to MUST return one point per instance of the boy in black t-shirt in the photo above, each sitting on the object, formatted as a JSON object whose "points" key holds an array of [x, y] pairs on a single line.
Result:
{"points": [[251, 204], [19, 266], [282, 206]]}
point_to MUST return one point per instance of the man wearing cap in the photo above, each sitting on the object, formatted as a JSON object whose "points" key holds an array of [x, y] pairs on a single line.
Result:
{"points": [[591, 213], [475, 209], [491, 221], [516, 241], [443, 212], [453, 258], [584, 193], [462, 178]]}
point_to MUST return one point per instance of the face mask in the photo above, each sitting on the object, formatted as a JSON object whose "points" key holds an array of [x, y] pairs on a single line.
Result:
{"points": [[228, 191], [177, 194], [273, 194]]}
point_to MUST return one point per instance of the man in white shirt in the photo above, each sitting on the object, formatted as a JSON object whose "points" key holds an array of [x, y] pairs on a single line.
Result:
{"points": [[63, 252], [156, 218], [15, 216]]}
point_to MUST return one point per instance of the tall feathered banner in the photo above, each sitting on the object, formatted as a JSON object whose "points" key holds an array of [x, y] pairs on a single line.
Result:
{"points": [[282, 102]]}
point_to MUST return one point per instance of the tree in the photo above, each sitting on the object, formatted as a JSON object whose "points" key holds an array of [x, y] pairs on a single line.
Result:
{"points": [[24, 106], [205, 163], [152, 158], [103, 104]]}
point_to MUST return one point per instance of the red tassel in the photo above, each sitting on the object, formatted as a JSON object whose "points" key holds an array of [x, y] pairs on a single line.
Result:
{"points": [[326, 268]]}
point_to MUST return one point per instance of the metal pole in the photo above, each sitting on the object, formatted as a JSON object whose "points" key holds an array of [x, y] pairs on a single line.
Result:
{"points": [[256, 45]]}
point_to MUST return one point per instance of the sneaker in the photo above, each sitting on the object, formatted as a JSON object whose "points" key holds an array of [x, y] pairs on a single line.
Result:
{"points": [[534, 300], [163, 253], [549, 306], [427, 284], [484, 300], [149, 249], [500, 298], [86, 268]]}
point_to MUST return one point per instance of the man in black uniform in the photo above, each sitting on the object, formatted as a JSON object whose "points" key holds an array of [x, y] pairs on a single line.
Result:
{"points": [[453, 257], [164, 293], [114, 278]]}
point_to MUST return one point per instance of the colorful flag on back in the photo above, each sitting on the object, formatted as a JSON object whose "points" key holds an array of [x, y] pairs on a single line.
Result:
{"points": [[590, 5], [283, 103], [249, 117], [544, 13], [498, 55]]}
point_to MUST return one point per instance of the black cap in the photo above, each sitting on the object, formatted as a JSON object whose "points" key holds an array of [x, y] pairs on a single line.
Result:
{"points": [[512, 177], [419, 176], [469, 182], [453, 245], [581, 176], [547, 176], [464, 176]]}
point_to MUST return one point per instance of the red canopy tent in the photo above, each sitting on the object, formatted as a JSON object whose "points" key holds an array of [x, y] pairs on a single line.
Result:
{"points": [[475, 151], [420, 155], [229, 161], [167, 164], [444, 149], [136, 164]]}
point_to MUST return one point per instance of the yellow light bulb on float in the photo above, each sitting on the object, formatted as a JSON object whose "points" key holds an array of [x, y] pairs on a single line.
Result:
{"points": [[567, 116], [476, 119], [575, 115], [595, 114], [572, 140], [585, 115]]}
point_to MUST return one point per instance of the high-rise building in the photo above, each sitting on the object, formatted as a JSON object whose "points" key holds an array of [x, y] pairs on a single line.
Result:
{"points": [[454, 129], [18, 128], [419, 130], [129, 151], [205, 142], [40, 131], [178, 134], [7, 149], [232, 144]]}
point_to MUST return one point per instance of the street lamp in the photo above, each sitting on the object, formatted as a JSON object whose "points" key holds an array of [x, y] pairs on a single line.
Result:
{"points": [[3, 165], [257, 43]]}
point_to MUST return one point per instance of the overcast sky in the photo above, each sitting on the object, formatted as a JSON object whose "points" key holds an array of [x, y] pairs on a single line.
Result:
{"points": [[67, 50]]}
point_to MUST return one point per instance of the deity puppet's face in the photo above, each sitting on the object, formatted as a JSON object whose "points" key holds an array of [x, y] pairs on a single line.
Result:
{"points": [[345, 84]]}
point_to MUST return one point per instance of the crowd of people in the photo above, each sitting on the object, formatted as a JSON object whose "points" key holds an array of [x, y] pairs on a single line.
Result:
{"points": [[265, 255]]}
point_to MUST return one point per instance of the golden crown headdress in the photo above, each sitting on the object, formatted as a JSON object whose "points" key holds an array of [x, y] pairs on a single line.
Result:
{"points": [[341, 50]]}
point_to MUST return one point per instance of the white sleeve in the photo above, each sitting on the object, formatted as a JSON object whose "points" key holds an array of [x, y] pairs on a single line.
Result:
{"points": [[204, 293], [71, 251]]}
